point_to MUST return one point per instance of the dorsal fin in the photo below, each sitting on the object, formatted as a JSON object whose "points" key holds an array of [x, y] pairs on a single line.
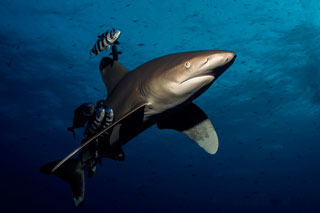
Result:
{"points": [[111, 72]]}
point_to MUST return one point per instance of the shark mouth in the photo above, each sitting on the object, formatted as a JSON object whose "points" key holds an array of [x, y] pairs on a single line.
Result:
{"points": [[193, 84], [197, 79]]}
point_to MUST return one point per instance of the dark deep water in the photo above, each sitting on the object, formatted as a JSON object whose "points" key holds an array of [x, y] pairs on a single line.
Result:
{"points": [[266, 107]]}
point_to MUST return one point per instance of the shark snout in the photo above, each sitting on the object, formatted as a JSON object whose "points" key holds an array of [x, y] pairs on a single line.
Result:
{"points": [[221, 58], [228, 59]]}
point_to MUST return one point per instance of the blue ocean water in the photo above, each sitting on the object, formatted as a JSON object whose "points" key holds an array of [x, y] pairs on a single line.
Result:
{"points": [[265, 108]]}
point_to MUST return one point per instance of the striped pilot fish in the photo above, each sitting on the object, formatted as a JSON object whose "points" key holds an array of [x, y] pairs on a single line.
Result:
{"points": [[90, 157], [103, 119], [105, 40], [107, 150], [95, 124], [81, 115], [109, 116]]}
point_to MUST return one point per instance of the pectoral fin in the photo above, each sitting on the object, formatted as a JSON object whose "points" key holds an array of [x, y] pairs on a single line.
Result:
{"points": [[194, 123]]}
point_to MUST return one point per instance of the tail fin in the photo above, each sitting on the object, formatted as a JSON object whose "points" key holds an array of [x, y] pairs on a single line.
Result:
{"points": [[72, 173]]}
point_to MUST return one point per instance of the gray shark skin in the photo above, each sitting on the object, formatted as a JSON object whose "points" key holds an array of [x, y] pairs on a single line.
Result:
{"points": [[164, 85], [159, 92]]}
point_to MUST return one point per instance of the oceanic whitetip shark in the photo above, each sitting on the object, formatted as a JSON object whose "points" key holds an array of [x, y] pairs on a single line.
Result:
{"points": [[158, 92]]}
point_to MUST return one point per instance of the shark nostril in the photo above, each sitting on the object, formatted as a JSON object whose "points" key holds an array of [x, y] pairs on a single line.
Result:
{"points": [[206, 61]]}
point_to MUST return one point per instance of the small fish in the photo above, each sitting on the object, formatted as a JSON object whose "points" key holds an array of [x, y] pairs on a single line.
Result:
{"points": [[109, 116], [105, 40], [95, 124], [81, 115], [115, 52], [91, 158], [105, 149]]}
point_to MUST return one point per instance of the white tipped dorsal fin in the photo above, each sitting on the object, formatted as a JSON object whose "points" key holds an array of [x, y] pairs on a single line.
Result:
{"points": [[194, 123], [111, 72]]}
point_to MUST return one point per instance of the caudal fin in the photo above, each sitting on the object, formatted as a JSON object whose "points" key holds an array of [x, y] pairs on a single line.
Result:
{"points": [[72, 173]]}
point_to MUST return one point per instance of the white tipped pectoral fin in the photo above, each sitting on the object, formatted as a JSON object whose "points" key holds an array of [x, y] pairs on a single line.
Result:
{"points": [[195, 124], [204, 135]]}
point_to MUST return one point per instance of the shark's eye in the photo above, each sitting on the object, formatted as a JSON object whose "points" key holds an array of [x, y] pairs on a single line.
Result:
{"points": [[187, 64]]}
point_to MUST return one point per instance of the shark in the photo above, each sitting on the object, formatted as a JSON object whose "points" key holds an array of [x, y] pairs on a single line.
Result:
{"points": [[159, 92]]}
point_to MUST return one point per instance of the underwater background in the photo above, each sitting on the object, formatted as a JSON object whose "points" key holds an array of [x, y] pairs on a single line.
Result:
{"points": [[265, 107]]}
